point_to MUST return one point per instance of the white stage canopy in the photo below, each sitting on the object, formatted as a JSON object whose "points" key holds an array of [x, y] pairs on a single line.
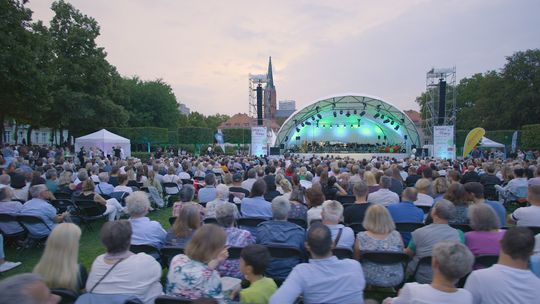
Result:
{"points": [[103, 140], [488, 143]]}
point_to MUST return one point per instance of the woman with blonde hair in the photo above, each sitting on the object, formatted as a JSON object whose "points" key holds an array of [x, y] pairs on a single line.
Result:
{"points": [[439, 187], [59, 266], [380, 235], [187, 221], [286, 187], [203, 254], [423, 186], [370, 180]]}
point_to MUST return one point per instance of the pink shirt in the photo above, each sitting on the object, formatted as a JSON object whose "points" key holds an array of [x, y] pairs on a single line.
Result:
{"points": [[484, 242]]}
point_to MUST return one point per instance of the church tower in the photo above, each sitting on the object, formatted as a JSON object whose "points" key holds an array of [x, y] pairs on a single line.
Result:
{"points": [[269, 99]]}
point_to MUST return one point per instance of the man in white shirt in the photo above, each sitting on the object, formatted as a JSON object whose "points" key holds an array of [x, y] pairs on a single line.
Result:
{"points": [[331, 215], [529, 216], [252, 177], [510, 280], [384, 196]]}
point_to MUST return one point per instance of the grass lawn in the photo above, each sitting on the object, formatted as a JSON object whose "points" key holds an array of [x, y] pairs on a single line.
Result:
{"points": [[91, 247]]}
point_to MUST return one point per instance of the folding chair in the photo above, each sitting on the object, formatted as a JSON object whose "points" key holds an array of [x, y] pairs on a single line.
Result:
{"points": [[170, 188], [425, 209], [387, 258], [210, 220], [249, 223], [168, 253], [172, 300], [62, 195], [343, 253], [61, 204], [148, 249], [408, 226], [234, 253], [11, 220], [281, 254], [89, 211], [425, 261], [486, 260], [357, 227], [298, 221], [535, 229], [29, 221], [462, 227], [67, 296]]}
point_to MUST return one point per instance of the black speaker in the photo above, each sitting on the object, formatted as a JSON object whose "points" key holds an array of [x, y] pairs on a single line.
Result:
{"points": [[259, 106], [442, 101], [274, 150]]}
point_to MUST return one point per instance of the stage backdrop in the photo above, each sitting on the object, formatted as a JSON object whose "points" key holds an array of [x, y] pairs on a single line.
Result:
{"points": [[443, 142], [259, 141]]}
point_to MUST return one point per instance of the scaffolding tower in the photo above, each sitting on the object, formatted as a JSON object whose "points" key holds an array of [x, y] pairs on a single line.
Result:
{"points": [[254, 81], [431, 114]]}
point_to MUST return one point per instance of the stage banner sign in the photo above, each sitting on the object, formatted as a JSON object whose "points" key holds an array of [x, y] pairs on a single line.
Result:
{"points": [[259, 141], [443, 142], [472, 139]]}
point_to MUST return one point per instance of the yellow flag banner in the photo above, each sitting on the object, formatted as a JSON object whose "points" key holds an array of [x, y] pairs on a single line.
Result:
{"points": [[472, 139]]}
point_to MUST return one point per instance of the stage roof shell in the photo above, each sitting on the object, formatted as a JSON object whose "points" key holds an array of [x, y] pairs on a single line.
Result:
{"points": [[333, 119]]}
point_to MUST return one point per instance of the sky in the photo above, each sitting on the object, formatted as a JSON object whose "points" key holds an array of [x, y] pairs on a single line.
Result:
{"points": [[206, 49]]}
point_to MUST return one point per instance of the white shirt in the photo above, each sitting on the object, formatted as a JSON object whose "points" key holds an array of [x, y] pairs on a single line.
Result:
{"points": [[121, 188], [184, 175], [384, 197], [414, 293], [248, 183], [306, 184], [314, 214], [501, 284], [424, 200], [138, 275], [527, 216]]}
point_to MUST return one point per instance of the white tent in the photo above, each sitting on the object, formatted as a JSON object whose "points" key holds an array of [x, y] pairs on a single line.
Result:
{"points": [[488, 143], [103, 140]]}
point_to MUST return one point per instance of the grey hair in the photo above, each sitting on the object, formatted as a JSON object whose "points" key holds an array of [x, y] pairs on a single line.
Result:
{"points": [[410, 194], [50, 173], [455, 259], [104, 177], [252, 173], [280, 208], [82, 175], [35, 191], [444, 209], [386, 182], [309, 176], [482, 217], [137, 203], [5, 179], [332, 210], [14, 289], [225, 214], [187, 193], [222, 191]]}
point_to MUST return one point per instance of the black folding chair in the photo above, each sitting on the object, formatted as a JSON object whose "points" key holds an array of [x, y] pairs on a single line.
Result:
{"points": [[11, 219], [89, 211], [168, 253], [62, 195], [462, 227], [234, 253], [170, 188], [425, 209], [357, 227], [62, 204], [67, 296], [346, 199], [387, 258], [279, 252], [343, 253], [298, 221], [210, 220], [535, 229], [172, 300], [408, 226], [486, 260], [425, 261], [187, 181], [27, 221], [148, 249], [249, 222]]}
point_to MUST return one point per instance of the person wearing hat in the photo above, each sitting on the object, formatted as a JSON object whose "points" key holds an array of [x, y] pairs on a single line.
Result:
{"points": [[236, 192], [528, 216]]}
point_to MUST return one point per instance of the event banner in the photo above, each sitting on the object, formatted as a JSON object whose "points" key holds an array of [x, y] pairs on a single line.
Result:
{"points": [[472, 139], [259, 141], [443, 142]]}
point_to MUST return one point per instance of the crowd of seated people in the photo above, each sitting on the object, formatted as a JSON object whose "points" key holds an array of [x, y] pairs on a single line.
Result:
{"points": [[302, 204]]}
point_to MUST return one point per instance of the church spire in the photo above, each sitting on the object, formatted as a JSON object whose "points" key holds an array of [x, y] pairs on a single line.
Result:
{"points": [[269, 76]]}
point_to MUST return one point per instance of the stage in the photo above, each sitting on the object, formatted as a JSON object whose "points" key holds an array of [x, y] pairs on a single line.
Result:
{"points": [[355, 156]]}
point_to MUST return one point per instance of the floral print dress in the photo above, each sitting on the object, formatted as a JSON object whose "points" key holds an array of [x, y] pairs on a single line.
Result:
{"points": [[192, 279], [376, 274]]}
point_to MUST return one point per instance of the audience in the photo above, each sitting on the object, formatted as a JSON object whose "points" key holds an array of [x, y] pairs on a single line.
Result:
{"points": [[423, 239], [332, 215], [384, 195], [371, 181], [187, 194], [486, 236], [423, 186], [236, 237], [251, 179], [103, 187], [510, 280], [528, 216], [202, 255], [314, 200], [254, 260], [439, 187], [280, 231], [255, 205], [237, 193], [26, 288], [110, 207], [406, 211], [380, 235], [133, 274], [325, 279], [40, 207], [144, 231], [59, 266], [298, 209], [222, 198], [7, 205], [208, 193], [355, 213], [450, 262], [475, 193], [458, 196], [184, 226]]}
